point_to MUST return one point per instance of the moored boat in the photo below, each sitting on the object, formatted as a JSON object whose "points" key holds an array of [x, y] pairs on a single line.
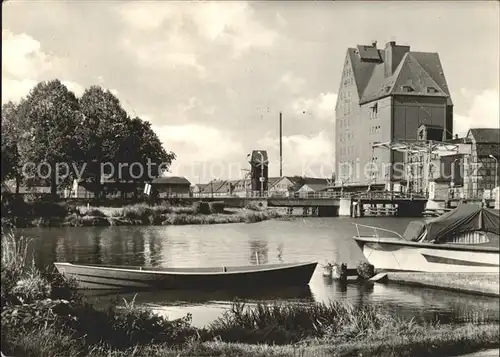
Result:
{"points": [[92, 276], [465, 239]]}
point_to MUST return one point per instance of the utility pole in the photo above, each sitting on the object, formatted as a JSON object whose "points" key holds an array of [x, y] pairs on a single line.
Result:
{"points": [[261, 174], [281, 146]]}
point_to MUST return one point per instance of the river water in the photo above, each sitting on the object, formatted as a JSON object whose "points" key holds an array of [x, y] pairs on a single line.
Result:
{"points": [[300, 239]]}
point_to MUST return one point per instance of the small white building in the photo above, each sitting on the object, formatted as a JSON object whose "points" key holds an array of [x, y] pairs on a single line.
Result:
{"points": [[312, 187], [281, 187]]}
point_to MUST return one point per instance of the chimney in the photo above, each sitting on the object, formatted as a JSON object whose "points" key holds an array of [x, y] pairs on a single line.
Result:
{"points": [[393, 56], [374, 44]]}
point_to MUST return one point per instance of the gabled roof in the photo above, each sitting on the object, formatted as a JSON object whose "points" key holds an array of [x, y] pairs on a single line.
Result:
{"points": [[213, 186], [376, 83], [271, 181], [485, 135], [200, 186], [362, 70], [171, 180], [279, 179], [316, 187], [244, 182], [418, 69], [410, 72], [431, 63], [315, 181], [225, 187]]}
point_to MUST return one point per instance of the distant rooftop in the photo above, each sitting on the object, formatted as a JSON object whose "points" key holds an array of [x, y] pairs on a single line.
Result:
{"points": [[486, 135], [171, 180]]}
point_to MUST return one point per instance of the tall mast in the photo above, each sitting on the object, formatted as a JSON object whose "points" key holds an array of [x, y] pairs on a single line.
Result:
{"points": [[281, 146]]}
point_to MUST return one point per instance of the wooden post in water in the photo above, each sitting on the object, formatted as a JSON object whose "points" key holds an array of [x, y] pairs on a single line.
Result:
{"points": [[339, 272]]}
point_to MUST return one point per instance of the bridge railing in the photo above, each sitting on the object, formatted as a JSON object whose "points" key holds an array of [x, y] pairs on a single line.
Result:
{"points": [[376, 232], [306, 195], [373, 195], [382, 195]]}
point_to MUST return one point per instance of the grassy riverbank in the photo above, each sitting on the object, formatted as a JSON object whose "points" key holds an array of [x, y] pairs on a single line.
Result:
{"points": [[43, 316], [22, 214]]}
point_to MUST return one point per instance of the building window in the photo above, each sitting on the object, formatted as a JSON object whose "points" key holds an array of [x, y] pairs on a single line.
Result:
{"points": [[408, 89], [431, 90], [347, 104], [374, 111]]}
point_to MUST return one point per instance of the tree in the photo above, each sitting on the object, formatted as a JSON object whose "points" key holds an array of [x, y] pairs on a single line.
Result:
{"points": [[10, 154], [103, 127], [50, 112], [143, 147]]}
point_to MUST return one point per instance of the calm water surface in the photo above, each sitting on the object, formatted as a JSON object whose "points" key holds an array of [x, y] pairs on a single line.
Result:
{"points": [[309, 239]]}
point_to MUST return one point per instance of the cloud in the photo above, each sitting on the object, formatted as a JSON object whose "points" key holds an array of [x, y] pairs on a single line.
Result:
{"points": [[292, 82], [484, 112], [229, 23], [22, 56], [303, 155], [321, 107], [24, 64], [74, 87], [14, 89], [203, 152], [163, 55]]}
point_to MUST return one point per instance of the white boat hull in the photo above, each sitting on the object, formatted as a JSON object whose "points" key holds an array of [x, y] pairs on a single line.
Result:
{"points": [[396, 255]]}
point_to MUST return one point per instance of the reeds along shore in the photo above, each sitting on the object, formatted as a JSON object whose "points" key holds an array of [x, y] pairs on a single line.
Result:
{"points": [[22, 214], [42, 315]]}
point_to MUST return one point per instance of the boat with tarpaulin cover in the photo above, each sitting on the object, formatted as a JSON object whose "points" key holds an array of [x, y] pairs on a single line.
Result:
{"points": [[465, 239]]}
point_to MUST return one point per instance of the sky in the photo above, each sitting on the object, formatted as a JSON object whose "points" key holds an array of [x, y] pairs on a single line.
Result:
{"points": [[212, 77]]}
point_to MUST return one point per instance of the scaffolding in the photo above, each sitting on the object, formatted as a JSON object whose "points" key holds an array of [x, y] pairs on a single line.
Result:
{"points": [[417, 158]]}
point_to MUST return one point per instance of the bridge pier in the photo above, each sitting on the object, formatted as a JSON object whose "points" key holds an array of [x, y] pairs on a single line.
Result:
{"points": [[345, 208], [314, 211], [305, 211]]}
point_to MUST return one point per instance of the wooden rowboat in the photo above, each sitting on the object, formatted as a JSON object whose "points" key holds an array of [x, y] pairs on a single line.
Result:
{"points": [[92, 276]]}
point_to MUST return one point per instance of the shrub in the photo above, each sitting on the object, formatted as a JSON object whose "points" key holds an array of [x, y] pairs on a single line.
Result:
{"points": [[37, 314], [201, 207], [254, 206], [290, 323], [184, 210], [49, 209], [62, 287], [15, 264], [139, 211], [95, 212], [365, 270], [31, 287], [217, 207]]}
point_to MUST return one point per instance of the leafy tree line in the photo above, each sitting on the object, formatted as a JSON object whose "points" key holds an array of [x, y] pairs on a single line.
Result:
{"points": [[53, 126]]}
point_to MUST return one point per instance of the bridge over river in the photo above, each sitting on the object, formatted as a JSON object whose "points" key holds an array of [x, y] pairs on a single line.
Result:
{"points": [[353, 204], [344, 203]]}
